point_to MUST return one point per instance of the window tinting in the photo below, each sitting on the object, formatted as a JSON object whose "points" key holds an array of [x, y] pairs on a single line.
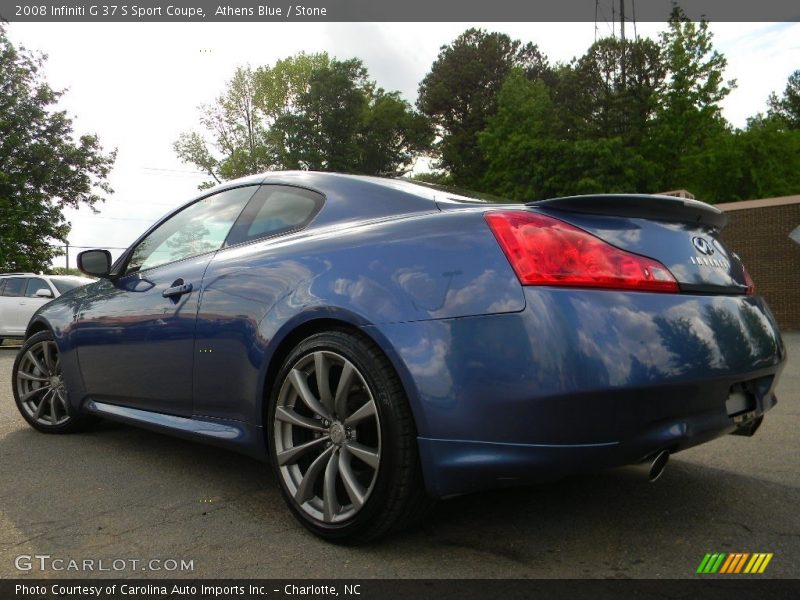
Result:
{"points": [[275, 210], [34, 285], [15, 286], [200, 227]]}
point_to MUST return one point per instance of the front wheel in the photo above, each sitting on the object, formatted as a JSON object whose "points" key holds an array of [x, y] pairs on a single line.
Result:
{"points": [[39, 389], [342, 440]]}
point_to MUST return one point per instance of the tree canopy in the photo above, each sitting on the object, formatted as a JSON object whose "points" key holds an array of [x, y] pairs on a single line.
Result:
{"points": [[638, 116], [43, 166], [305, 112], [459, 94], [493, 114], [787, 107]]}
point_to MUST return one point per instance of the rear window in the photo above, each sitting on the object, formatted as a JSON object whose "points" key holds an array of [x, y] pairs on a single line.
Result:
{"points": [[65, 284]]}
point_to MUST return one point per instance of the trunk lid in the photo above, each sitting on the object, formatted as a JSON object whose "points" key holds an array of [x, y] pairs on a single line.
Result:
{"points": [[681, 234]]}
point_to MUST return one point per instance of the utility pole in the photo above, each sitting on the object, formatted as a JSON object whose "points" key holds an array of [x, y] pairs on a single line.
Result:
{"points": [[622, 37], [67, 254]]}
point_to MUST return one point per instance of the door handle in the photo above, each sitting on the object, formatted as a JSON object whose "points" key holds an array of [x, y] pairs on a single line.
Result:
{"points": [[177, 290]]}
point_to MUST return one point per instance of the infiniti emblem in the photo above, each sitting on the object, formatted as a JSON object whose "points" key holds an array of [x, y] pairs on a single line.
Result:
{"points": [[703, 246]]}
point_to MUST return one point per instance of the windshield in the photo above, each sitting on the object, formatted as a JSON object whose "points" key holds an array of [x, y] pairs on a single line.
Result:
{"points": [[65, 284]]}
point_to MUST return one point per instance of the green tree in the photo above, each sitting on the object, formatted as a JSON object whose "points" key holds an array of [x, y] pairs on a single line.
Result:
{"points": [[459, 94], [611, 91], [689, 115], [43, 167], [305, 112], [343, 122], [760, 161], [236, 137], [787, 107], [528, 160], [392, 135], [518, 137], [319, 134]]}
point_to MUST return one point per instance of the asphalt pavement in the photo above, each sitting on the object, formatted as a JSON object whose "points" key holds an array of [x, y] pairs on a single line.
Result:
{"points": [[120, 493]]}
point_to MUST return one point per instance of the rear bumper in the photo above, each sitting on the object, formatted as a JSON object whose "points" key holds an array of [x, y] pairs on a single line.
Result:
{"points": [[458, 466], [582, 380]]}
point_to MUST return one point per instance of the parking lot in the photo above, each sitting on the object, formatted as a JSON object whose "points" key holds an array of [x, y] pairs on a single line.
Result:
{"points": [[123, 493]]}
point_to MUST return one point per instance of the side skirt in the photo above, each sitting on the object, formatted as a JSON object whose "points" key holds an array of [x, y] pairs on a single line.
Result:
{"points": [[232, 435]]}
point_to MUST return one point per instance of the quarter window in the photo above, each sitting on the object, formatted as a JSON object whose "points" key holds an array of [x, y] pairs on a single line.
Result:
{"points": [[199, 228], [274, 210]]}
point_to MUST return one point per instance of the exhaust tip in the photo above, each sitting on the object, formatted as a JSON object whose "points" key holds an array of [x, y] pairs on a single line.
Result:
{"points": [[658, 465], [650, 469]]}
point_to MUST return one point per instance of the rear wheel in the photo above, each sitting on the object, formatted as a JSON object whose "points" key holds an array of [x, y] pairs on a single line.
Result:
{"points": [[39, 389], [342, 440]]}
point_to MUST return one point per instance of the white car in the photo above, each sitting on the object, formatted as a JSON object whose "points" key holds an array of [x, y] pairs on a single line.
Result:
{"points": [[21, 294]]}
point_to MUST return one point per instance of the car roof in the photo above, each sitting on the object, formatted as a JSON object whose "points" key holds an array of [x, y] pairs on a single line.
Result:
{"points": [[349, 196]]}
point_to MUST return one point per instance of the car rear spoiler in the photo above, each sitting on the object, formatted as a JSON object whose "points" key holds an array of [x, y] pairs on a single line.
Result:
{"points": [[643, 206]]}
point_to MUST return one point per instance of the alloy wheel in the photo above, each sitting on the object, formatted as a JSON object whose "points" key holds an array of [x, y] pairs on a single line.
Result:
{"points": [[40, 385], [327, 437]]}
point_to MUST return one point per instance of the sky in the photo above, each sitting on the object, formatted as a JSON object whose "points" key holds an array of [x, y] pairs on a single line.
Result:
{"points": [[138, 86]]}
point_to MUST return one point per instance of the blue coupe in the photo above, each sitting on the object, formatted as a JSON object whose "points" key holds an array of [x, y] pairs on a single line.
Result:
{"points": [[383, 342]]}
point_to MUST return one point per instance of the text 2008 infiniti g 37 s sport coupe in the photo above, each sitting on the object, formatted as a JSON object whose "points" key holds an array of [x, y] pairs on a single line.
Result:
{"points": [[383, 342]]}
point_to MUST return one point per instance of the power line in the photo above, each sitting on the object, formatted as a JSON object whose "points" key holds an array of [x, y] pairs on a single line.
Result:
{"points": [[124, 219], [181, 171], [87, 247]]}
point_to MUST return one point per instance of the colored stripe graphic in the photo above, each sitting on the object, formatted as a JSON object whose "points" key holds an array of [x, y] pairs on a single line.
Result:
{"points": [[764, 564], [703, 563], [734, 563], [717, 564], [713, 563], [727, 564], [754, 563], [741, 562]]}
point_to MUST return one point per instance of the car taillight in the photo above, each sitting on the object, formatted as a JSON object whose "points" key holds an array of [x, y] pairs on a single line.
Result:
{"points": [[546, 251], [751, 287]]}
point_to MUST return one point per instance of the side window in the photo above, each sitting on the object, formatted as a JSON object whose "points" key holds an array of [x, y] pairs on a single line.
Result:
{"points": [[15, 286], [200, 227], [2, 285], [273, 210], [34, 285]]}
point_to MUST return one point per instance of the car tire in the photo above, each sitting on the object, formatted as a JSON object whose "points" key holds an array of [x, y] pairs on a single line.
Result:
{"points": [[345, 457], [39, 390]]}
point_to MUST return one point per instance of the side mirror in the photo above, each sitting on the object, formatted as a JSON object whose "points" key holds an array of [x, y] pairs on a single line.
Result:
{"points": [[44, 293], [95, 263]]}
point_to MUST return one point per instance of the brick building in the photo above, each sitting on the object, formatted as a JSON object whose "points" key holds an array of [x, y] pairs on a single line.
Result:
{"points": [[758, 231]]}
